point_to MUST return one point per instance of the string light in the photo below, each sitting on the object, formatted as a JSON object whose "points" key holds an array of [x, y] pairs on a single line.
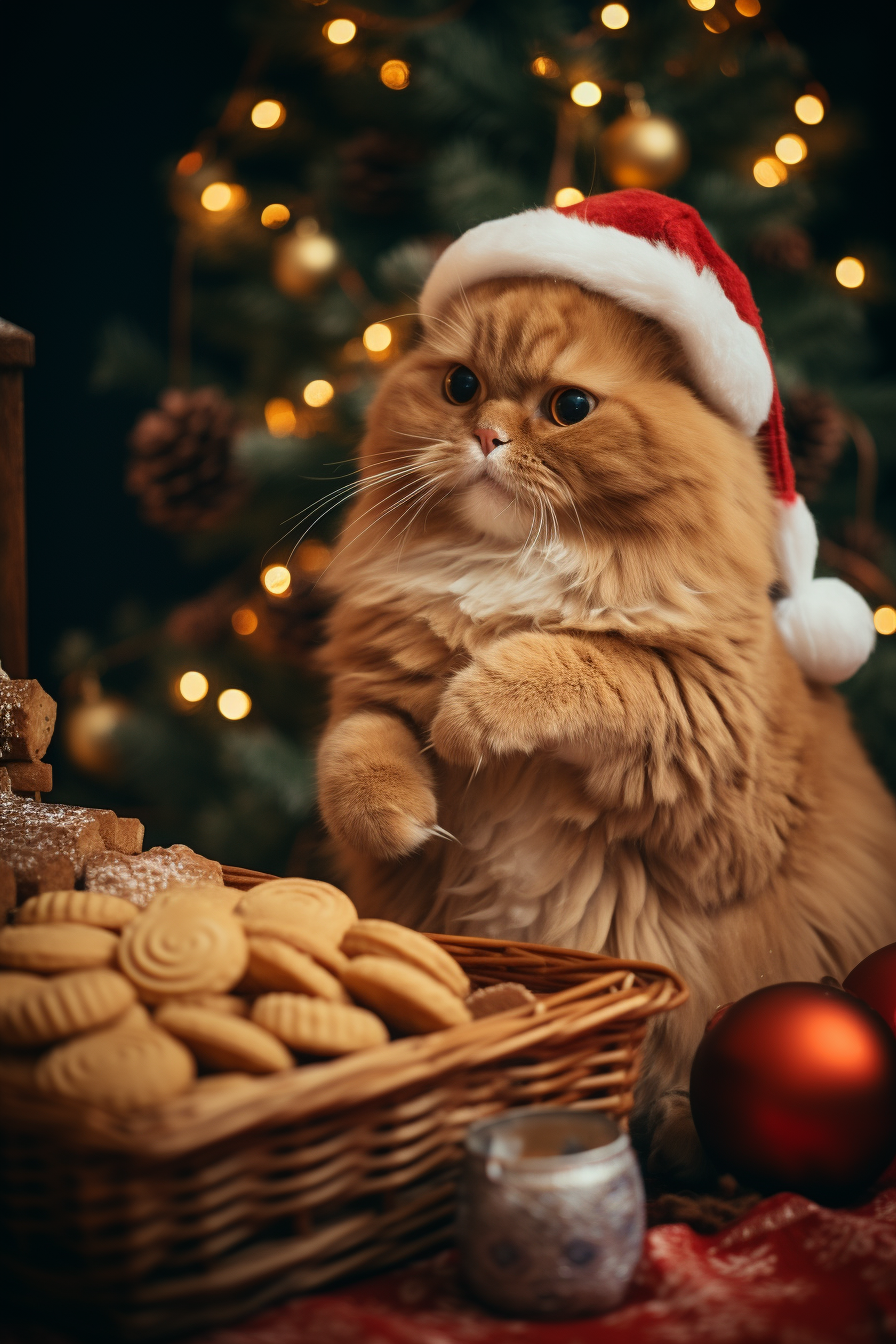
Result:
{"points": [[791, 149], [312, 557], [318, 392], [809, 109], [545, 67], [586, 93], [189, 164], [234, 704], [219, 196], [769, 172], [244, 621], [274, 216], [268, 114], [568, 196], [377, 337], [849, 272], [614, 16], [748, 8], [885, 620], [702, 5], [340, 31], [193, 686], [276, 580], [395, 74], [280, 417]]}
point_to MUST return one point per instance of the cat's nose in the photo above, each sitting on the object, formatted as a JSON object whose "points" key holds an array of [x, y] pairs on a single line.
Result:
{"points": [[489, 439]]}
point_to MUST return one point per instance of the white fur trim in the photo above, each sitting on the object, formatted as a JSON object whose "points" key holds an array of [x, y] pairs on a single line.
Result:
{"points": [[725, 354], [826, 625]]}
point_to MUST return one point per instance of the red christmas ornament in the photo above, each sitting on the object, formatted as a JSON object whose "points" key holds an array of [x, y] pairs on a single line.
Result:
{"points": [[794, 1088], [874, 982]]}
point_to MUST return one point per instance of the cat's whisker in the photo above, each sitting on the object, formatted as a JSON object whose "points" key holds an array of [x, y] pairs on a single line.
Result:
{"points": [[317, 518]]}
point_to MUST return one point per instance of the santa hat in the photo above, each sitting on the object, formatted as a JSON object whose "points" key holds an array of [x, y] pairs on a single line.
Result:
{"points": [[656, 256]]}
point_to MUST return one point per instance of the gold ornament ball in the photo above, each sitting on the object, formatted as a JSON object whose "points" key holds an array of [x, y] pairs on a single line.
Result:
{"points": [[304, 259], [89, 734], [643, 151]]}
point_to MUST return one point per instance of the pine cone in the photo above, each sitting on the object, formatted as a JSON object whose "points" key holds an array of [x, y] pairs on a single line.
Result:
{"points": [[180, 466], [817, 432], [377, 173], [785, 248]]}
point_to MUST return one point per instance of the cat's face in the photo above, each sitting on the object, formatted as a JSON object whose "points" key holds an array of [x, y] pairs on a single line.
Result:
{"points": [[535, 409]]}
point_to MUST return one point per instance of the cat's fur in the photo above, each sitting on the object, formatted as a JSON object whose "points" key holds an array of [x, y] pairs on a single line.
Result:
{"points": [[576, 673]]}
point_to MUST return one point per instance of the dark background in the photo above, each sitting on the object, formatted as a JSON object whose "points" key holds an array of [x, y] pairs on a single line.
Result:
{"points": [[96, 101]]}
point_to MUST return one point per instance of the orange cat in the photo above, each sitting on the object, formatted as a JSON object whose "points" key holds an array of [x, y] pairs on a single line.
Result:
{"points": [[562, 710]]}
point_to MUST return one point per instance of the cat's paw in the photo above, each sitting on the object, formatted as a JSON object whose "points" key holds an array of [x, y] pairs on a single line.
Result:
{"points": [[375, 789]]}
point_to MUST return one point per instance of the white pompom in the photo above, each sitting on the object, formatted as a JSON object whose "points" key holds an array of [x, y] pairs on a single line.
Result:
{"points": [[828, 628], [826, 625]]}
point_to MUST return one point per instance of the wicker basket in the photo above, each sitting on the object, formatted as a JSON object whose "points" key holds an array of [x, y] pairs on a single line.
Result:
{"points": [[247, 1190]]}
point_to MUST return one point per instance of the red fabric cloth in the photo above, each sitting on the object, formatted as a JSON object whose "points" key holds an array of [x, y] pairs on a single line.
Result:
{"points": [[790, 1272]]}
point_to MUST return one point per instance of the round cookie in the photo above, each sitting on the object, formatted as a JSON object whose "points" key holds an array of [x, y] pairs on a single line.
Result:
{"points": [[319, 1027], [225, 1042], [222, 898], [56, 947], [408, 999], [120, 1068], [275, 965], [230, 1004], [184, 948], [65, 1004], [382, 938], [13, 984], [305, 940], [324, 909], [77, 907]]}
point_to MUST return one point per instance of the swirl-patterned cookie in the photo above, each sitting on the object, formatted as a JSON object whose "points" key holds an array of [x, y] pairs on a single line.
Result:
{"points": [[120, 1068], [318, 1027], [323, 909], [221, 898], [184, 948], [77, 907], [303, 939], [408, 999], [65, 1004], [225, 1042], [49, 948], [382, 938], [275, 965]]}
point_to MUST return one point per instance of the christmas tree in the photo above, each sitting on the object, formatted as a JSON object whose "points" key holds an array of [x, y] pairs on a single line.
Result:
{"points": [[355, 146]]}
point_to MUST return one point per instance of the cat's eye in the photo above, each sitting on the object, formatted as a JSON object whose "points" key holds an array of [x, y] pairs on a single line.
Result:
{"points": [[569, 405], [461, 385]]}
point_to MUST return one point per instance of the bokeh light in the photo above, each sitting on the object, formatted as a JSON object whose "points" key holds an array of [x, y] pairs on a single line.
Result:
{"points": [[791, 148], [769, 172], [217, 196], [586, 93], [312, 556], [267, 114], [340, 31], [748, 8], [395, 74], [318, 392], [809, 109], [234, 704], [568, 196], [193, 686], [274, 216], [545, 67], [849, 272], [189, 164], [280, 417], [702, 5], [885, 620], [377, 337], [244, 621], [614, 16], [276, 579]]}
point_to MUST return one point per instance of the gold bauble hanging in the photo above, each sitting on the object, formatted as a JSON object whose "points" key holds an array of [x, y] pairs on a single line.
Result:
{"points": [[303, 259], [643, 151], [89, 729]]}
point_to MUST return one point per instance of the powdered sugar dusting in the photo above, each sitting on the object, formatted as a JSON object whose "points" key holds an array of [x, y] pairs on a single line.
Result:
{"points": [[137, 877]]}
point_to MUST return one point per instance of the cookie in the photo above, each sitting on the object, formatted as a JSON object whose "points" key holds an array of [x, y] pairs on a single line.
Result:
{"points": [[56, 947], [225, 1042], [275, 965], [319, 1027], [77, 907], [498, 998], [317, 906], [138, 877], [302, 939], [66, 1004], [187, 947], [17, 1070], [13, 984], [231, 1004], [120, 1068], [405, 997], [382, 938], [222, 898]]}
